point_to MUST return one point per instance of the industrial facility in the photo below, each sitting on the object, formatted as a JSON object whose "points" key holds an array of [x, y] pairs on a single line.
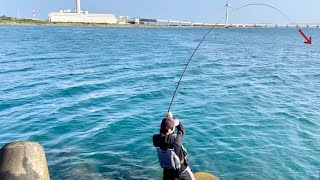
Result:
{"points": [[81, 16]]}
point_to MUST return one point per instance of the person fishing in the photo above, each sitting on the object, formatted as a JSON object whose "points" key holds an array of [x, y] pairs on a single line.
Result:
{"points": [[172, 155]]}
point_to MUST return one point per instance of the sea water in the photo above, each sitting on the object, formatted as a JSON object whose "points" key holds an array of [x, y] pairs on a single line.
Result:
{"points": [[94, 97]]}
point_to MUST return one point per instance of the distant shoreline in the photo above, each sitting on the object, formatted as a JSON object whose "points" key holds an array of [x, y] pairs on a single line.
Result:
{"points": [[42, 23], [67, 24]]}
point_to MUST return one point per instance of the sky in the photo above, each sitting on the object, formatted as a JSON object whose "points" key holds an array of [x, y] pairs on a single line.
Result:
{"points": [[209, 11]]}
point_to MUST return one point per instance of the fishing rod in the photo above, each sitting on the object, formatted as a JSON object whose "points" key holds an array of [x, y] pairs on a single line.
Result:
{"points": [[187, 65]]}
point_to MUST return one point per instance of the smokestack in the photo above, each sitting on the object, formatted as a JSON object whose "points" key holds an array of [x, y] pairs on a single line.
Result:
{"points": [[78, 6]]}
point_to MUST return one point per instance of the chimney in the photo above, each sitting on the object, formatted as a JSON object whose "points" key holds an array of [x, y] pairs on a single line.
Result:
{"points": [[78, 6]]}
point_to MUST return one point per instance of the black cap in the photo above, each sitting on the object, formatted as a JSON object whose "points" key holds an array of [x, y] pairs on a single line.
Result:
{"points": [[169, 123]]}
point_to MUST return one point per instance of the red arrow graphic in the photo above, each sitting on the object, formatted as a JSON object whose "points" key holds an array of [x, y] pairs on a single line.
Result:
{"points": [[309, 41]]}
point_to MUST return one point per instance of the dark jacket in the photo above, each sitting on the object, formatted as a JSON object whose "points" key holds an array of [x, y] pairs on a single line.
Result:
{"points": [[159, 140]]}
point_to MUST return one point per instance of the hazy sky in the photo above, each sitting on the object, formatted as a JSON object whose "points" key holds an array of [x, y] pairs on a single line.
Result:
{"points": [[301, 11]]}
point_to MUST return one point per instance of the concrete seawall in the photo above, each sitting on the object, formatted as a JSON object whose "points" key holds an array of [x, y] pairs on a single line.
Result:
{"points": [[22, 161]]}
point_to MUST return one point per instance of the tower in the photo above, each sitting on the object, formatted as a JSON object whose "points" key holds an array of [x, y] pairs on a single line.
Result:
{"points": [[33, 14], [78, 6]]}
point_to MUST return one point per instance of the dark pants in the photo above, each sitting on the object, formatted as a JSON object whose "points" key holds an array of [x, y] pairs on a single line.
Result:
{"points": [[169, 174]]}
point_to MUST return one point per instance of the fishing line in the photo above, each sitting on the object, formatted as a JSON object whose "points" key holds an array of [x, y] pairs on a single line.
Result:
{"points": [[185, 68]]}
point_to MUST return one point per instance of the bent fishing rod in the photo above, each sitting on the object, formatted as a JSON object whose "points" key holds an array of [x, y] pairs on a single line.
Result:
{"points": [[205, 36]]}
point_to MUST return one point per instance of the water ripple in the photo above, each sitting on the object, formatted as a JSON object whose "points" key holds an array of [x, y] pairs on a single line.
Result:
{"points": [[93, 97]]}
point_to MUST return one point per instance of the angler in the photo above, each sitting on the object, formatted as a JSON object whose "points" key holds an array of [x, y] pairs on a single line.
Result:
{"points": [[172, 155]]}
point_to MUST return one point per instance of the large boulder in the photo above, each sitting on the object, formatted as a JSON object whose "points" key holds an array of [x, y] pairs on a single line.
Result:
{"points": [[205, 176], [23, 161]]}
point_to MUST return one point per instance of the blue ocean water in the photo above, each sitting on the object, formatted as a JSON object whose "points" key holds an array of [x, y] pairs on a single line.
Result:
{"points": [[93, 97]]}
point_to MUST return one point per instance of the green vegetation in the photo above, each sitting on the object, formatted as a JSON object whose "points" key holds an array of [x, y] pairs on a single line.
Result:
{"points": [[4, 20]]}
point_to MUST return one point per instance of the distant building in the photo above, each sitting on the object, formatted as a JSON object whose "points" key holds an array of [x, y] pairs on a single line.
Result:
{"points": [[123, 20], [81, 16], [142, 21]]}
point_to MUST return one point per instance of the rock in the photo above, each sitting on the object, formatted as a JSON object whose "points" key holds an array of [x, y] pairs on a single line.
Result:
{"points": [[23, 161], [204, 176]]}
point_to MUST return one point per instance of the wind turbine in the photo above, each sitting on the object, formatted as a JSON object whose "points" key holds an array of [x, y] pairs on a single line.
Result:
{"points": [[227, 13]]}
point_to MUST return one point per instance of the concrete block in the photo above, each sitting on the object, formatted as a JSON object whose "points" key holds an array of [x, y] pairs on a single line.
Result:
{"points": [[23, 161]]}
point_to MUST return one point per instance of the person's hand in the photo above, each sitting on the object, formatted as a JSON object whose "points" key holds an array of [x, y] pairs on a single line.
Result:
{"points": [[177, 122], [170, 114]]}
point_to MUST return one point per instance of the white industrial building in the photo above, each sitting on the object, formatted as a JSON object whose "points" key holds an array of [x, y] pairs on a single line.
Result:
{"points": [[81, 16]]}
